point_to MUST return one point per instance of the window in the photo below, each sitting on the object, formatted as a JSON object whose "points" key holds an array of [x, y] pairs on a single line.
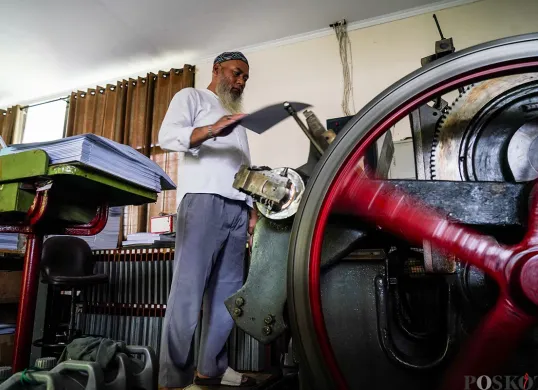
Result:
{"points": [[45, 122]]}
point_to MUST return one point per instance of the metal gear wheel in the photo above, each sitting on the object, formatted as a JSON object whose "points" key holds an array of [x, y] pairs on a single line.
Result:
{"points": [[455, 154]]}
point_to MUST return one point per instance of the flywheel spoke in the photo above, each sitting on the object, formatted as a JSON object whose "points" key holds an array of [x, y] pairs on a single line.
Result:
{"points": [[405, 216], [490, 346]]}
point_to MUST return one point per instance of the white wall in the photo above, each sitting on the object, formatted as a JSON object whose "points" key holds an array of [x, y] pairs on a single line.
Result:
{"points": [[311, 72]]}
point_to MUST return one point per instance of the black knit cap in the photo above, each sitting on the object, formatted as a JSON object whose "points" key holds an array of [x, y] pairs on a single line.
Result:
{"points": [[229, 56]]}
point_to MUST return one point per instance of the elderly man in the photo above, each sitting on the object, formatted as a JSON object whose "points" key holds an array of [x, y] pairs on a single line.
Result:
{"points": [[212, 223]]}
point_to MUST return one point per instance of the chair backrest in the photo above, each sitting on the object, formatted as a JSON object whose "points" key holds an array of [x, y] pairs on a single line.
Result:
{"points": [[66, 256]]}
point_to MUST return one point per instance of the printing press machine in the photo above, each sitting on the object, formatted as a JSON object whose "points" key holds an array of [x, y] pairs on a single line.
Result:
{"points": [[381, 282], [390, 283]]}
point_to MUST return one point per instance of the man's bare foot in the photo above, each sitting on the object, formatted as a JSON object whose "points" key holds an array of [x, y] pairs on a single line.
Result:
{"points": [[230, 378]]}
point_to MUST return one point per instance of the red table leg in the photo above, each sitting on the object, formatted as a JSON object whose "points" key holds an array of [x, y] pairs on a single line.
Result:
{"points": [[27, 303]]}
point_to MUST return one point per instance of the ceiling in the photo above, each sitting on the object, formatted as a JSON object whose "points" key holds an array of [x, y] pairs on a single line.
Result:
{"points": [[54, 46]]}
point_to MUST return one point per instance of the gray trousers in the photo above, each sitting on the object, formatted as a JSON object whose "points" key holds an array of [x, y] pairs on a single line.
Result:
{"points": [[211, 236]]}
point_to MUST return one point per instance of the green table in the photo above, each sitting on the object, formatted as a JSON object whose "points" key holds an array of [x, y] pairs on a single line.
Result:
{"points": [[37, 199]]}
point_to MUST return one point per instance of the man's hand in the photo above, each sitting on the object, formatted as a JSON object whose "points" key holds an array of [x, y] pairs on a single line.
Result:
{"points": [[226, 124], [250, 243], [252, 220], [223, 127]]}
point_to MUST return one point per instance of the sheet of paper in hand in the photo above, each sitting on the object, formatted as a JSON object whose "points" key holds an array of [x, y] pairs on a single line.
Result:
{"points": [[262, 120]]}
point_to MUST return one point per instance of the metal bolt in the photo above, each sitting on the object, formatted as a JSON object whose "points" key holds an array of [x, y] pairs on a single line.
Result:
{"points": [[238, 312], [269, 319], [267, 330], [239, 302]]}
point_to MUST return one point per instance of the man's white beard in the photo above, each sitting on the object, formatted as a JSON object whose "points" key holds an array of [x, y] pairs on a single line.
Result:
{"points": [[230, 102]]}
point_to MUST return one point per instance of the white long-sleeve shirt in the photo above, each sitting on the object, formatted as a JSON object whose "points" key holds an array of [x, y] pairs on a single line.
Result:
{"points": [[210, 167]]}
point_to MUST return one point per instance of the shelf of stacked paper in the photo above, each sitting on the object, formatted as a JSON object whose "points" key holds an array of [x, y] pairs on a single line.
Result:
{"points": [[149, 239], [80, 173]]}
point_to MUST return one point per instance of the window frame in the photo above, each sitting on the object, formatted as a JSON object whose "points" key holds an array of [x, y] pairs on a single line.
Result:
{"points": [[26, 108]]}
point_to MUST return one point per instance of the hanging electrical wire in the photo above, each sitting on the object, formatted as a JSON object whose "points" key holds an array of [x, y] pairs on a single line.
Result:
{"points": [[344, 45]]}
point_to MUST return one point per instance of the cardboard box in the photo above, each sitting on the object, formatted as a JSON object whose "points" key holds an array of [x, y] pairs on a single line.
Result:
{"points": [[6, 349], [163, 224], [10, 286]]}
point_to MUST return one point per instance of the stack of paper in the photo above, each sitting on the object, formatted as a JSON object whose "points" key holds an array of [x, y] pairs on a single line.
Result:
{"points": [[104, 155], [7, 329], [9, 241], [148, 238]]}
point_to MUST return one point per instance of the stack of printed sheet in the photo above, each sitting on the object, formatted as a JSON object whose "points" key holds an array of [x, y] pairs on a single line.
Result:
{"points": [[103, 155]]}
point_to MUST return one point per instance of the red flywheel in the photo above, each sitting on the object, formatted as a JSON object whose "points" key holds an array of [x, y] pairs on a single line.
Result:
{"points": [[339, 184]]}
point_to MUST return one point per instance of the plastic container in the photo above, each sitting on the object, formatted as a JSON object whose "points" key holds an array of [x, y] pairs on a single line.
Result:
{"points": [[81, 375], [143, 375], [125, 373], [43, 381], [116, 378], [5, 373]]}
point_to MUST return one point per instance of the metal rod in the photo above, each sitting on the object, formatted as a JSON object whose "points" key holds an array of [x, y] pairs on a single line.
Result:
{"points": [[303, 127], [103, 296], [71, 331], [138, 300], [438, 26], [155, 283], [66, 98], [110, 260], [95, 302], [167, 261], [162, 283], [144, 276], [113, 330], [129, 307]]}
